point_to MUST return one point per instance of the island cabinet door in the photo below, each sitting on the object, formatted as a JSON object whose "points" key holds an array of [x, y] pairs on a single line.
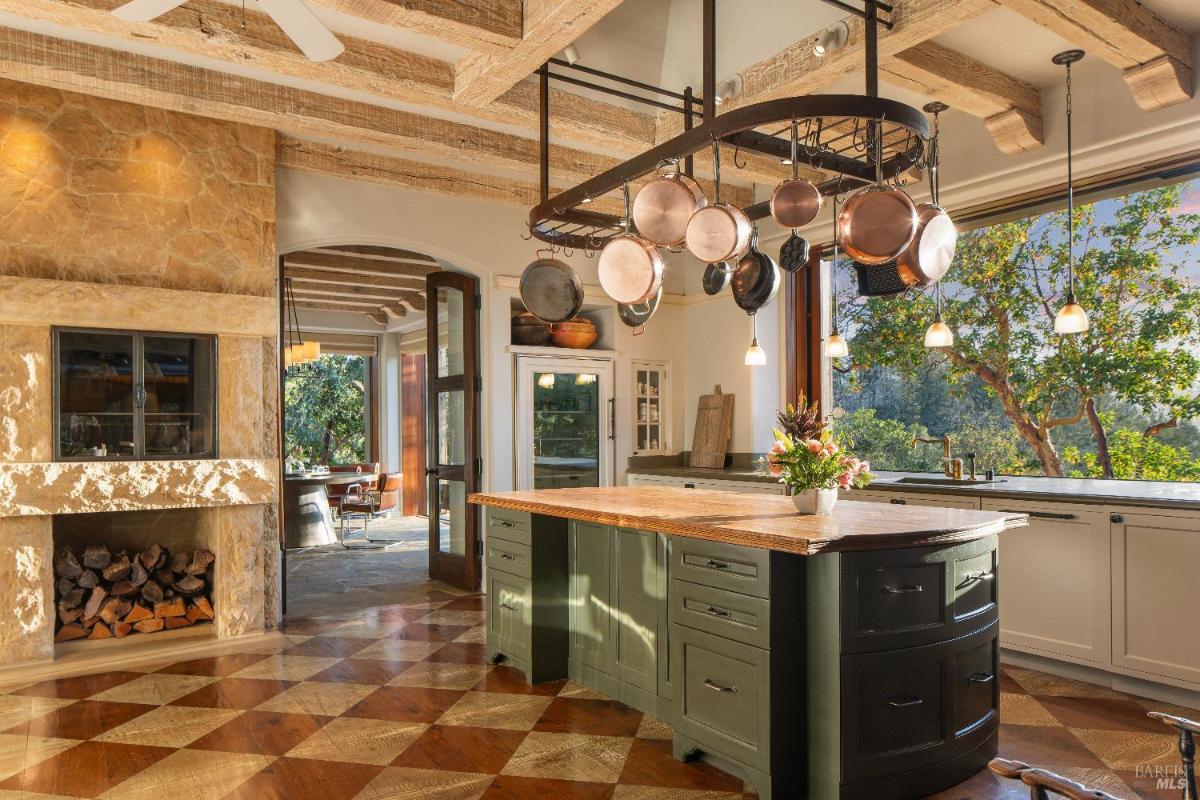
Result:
{"points": [[635, 606], [1156, 592], [1060, 562], [590, 592]]}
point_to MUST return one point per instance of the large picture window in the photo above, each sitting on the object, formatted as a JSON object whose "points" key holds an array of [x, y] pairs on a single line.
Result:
{"points": [[1119, 401], [327, 410]]}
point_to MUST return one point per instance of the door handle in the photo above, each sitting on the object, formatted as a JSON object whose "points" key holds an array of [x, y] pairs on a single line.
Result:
{"points": [[903, 589], [717, 612], [980, 677], [612, 418], [431, 471], [716, 687], [713, 564], [896, 501], [506, 607], [507, 556], [904, 702], [1038, 514]]}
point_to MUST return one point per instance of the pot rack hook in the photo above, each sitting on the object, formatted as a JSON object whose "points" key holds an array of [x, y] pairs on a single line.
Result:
{"points": [[530, 236], [716, 146], [627, 222], [934, 157], [795, 148]]}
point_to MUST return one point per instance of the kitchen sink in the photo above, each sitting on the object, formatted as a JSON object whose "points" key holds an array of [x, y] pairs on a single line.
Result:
{"points": [[923, 481]]}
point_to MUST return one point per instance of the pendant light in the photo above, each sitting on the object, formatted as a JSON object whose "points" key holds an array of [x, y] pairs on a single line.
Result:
{"points": [[836, 346], [755, 355], [1071, 318], [298, 351], [939, 333]]}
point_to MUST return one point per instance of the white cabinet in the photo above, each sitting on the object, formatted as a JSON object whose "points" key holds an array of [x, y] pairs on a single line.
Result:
{"points": [[911, 499], [1155, 594], [1054, 582], [652, 433]]}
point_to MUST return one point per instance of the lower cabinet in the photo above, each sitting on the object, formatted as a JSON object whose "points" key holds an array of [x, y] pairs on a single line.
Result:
{"points": [[590, 592], [510, 613]]}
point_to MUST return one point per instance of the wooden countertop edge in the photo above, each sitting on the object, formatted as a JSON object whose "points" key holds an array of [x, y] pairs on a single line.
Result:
{"points": [[711, 533]]}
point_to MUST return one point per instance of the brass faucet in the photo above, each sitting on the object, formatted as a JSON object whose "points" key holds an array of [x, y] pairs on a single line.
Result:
{"points": [[951, 467]]}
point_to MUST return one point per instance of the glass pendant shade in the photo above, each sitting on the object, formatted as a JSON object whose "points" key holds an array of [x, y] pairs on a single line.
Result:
{"points": [[837, 347], [755, 355], [289, 356], [939, 334], [308, 351], [1071, 318]]}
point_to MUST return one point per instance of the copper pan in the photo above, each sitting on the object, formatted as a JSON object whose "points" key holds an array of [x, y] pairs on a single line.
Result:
{"points": [[795, 202], [927, 258], [719, 232], [630, 269], [877, 223], [664, 205]]}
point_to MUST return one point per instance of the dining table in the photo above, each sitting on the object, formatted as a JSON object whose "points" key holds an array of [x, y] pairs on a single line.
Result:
{"points": [[307, 516]]}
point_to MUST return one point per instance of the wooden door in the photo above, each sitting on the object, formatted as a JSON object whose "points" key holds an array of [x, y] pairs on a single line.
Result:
{"points": [[412, 426], [452, 427]]}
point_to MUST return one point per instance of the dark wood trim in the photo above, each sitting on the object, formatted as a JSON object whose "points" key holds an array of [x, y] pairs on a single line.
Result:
{"points": [[374, 395], [280, 428], [805, 367]]}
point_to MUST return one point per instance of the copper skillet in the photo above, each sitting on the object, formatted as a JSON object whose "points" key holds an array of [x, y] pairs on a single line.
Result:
{"points": [[663, 207], [927, 259], [719, 231], [877, 223], [795, 202], [630, 268]]}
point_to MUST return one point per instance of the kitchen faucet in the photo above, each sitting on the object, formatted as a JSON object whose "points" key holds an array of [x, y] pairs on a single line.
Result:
{"points": [[951, 467]]}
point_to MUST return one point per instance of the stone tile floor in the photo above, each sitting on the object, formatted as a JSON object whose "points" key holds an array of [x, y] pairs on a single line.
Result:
{"points": [[398, 702]]}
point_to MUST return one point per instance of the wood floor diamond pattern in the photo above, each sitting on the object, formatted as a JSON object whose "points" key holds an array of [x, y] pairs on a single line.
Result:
{"points": [[399, 702]]}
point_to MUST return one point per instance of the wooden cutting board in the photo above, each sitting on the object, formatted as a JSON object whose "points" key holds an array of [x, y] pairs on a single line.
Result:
{"points": [[714, 426]]}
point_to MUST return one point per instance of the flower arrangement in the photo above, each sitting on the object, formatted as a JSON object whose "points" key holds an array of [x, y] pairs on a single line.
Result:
{"points": [[807, 459]]}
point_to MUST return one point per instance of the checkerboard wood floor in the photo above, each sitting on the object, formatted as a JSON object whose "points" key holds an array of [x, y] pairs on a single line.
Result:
{"points": [[398, 702]]}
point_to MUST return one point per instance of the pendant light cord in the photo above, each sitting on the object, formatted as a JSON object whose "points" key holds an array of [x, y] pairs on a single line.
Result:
{"points": [[833, 269], [1070, 197]]}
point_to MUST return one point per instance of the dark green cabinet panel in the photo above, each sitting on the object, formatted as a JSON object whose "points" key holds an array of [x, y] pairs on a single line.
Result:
{"points": [[590, 595], [635, 602], [510, 613]]}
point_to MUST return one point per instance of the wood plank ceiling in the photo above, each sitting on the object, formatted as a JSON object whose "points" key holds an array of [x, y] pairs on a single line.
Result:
{"points": [[383, 283], [397, 102]]}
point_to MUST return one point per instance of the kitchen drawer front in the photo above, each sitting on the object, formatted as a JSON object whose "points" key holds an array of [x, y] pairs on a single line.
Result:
{"points": [[511, 557], [726, 566], [722, 696], [510, 614], [735, 616], [905, 598], [513, 526], [910, 709]]}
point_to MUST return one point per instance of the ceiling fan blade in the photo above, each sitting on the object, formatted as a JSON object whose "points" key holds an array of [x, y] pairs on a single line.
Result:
{"points": [[145, 10], [304, 28]]}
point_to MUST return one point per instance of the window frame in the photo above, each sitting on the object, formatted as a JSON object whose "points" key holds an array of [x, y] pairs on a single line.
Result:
{"points": [[139, 379]]}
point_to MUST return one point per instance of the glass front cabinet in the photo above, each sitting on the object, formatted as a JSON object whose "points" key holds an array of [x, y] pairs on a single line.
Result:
{"points": [[122, 395], [650, 408]]}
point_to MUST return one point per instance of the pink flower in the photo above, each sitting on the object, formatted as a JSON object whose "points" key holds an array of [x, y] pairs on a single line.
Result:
{"points": [[777, 448], [844, 480], [775, 469], [864, 467], [814, 446]]}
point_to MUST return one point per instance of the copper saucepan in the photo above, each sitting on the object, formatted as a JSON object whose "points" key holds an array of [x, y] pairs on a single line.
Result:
{"points": [[927, 259], [630, 269], [720, 231], [664, 205], [795, 202], [877, 223]]}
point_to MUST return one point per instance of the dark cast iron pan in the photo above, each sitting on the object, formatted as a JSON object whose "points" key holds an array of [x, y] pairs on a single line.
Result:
{"points": [[551, 290], [756, 279]]}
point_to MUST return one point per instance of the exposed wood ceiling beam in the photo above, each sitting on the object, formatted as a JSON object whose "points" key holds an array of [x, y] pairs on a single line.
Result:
{"points": [[380, 317], [356, 264], [488, 25], [335, 278], [1011, 109], [324, 291], [328, 305], [1155, 56], [378, 251], [216, 30], [549, 26]]}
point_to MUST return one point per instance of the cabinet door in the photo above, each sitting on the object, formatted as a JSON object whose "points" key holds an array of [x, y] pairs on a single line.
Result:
{"points": [[1156, 594], [590, 585], [633, 634], [1058, 562]]}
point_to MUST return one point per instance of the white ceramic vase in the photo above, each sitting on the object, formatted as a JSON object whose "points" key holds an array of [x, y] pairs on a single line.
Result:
{"points": [[815, 501]]}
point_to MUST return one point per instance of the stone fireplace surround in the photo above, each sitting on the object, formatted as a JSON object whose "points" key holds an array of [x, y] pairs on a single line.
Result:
{"points": [[236, 495]]}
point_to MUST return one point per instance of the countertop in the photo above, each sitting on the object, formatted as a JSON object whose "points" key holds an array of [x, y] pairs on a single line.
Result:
{"points": [[1147, 494], [758, 520]]}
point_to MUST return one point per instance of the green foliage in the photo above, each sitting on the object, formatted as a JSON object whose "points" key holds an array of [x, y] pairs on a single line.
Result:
{"points": [[1136, 457], [566, 421], [1005, 286], [887, 442], [802, 420], [819, 463], [324, 404]]}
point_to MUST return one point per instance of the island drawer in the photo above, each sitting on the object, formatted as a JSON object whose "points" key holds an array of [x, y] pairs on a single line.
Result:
{"points": [[910, 709], [510, 614], [722, 696], [514, 526], [740, 617], [744, 570], [906, 598], [511, 557]]}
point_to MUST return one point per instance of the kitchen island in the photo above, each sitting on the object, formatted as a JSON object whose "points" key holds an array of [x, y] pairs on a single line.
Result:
{"points": [[847, 656]]}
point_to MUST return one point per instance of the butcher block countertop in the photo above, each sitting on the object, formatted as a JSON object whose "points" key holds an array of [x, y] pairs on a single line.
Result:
{"points": [[758, 520]]}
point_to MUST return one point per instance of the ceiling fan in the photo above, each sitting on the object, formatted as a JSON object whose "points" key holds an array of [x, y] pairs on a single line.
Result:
{"points": [[295, 19]]}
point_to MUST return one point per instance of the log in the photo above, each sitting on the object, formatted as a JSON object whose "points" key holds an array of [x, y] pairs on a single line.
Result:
{"points": [[88, 622], [111, 610], [165, 578], [96, 556], [93, 604], [68, 614], [123, 589], [118, 569], [200, 562], [204, 606], [73, 598], [65, 585], [179, 563], [149, 626], [100, 631], [66, 565], [138, 613], [137, 573], [152, 592], [196, 615], [88, 580], [173, 608], [150, 556], [189, 585], [121, 629], [177, 622], [68, 632]]}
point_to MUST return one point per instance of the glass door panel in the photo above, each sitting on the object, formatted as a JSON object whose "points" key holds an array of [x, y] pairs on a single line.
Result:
{"points": [[450, 349], [96, 380], [452, 514], [178, 413], [450, 428], [566, 430]]}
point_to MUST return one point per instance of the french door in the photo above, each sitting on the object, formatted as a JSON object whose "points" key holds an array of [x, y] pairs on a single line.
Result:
{"points": [[452, 427]]}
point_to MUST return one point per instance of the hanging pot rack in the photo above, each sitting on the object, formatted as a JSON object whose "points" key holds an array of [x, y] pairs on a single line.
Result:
{"points": [[836, 132]]}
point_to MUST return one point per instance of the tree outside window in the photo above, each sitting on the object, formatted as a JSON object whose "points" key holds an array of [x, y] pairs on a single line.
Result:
{"points": [[1120, 401], [325, 402]]}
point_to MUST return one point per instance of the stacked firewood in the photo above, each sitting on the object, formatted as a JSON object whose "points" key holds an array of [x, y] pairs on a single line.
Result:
{"points": [[103, 595]]}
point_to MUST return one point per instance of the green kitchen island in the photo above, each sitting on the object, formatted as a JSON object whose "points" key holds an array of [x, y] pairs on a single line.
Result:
{"points": [[847, 656]]}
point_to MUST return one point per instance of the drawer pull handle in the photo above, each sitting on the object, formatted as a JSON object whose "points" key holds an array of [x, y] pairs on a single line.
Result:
{"points": [[976, 577], [506, 607], [717, 612], [903, 589], [712, 564], [508, 556], [980, 677], [1038, 514], [896, 501], [503, 523], [904, 702], [716, 687]]}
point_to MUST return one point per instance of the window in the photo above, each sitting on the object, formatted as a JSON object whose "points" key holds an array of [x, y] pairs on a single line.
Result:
{"points": [[1120, 401], [327, 405], [124, 395]]}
